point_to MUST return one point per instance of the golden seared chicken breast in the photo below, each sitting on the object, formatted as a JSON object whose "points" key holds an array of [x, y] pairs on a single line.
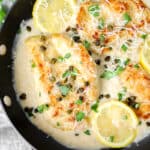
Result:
{"points": [[138, 83], [111, 23], [68, 76]]}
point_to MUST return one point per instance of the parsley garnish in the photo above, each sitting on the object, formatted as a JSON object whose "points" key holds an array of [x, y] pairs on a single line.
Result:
{"points": [[68, 73], [120, 96], [33, 65], [125, 117], [144, 36], [86, 44], [80, 116], [94, 10], [102, 38], [136, 66], [124, 47], [127, 18], [110, 74], [67, 56], [87, 132], [64, 90], [42, 108], [95, 106], [111, 138], [101, 23], [79, 102]]}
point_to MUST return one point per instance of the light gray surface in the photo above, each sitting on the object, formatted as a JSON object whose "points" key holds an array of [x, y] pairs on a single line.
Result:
{"points": [[9, 138]]}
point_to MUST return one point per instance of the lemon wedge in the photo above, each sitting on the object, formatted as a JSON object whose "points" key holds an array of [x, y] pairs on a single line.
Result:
{"points": [[145, 55], [115, 124], [53, 16]]}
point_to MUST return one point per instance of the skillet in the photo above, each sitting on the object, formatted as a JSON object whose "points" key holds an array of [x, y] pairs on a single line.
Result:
{"points": [[22, 10]]}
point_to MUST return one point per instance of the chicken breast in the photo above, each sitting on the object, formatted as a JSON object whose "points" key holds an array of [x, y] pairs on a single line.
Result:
{"points": [[68, 76], [137, 82], [110, 23]]}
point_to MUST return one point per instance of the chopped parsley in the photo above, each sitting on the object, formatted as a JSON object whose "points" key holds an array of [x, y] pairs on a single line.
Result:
{"points": [[87, 132], [73, 72], [111, 138], [144, 36], [64, 90], [94, 107], [58, 124], [79, 102], [102, 38], [124, 47], [86, 44], [67, 56], [127, 18], [127, 61], [125, 117], [94, 10], [42, 108], [101, 23], [120, 96], [136, 66], [33, 65], [110, 74], [107, 74], [80, 116]]}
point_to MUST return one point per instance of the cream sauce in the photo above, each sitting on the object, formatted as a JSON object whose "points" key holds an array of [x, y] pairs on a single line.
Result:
{"points": [[24, 82]]}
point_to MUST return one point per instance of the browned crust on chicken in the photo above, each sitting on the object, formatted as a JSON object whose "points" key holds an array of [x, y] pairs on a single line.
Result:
{"points": [[137, 82], [64, 111]]}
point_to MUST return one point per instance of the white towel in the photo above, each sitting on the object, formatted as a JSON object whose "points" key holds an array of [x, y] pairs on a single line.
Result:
{"points": [[9, 138]]}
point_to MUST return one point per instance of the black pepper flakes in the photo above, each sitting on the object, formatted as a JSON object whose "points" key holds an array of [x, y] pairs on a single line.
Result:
{"points": [[43, 48], [58, 83], [68, 29], [105, 66], [28, 28], [81, 97], [52, 78], [87, 83], [98, 61], [76, 39], [73, 78], [148, 124], [43, 38], [69, 86], [107, 58], [101, 96], [117, 61], [69, 111], [53, 60], [90, 52], [29, 111], [107, 95], [80, 90], [71, 68], [23, 96], [59, 99], [97, 43], [77, 134], [66, 80]]}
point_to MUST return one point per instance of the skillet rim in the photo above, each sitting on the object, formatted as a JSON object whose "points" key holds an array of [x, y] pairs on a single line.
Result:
{"points": [[15, 112]]}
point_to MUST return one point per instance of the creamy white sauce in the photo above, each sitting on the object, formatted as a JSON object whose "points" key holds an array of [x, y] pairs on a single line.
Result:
{"points": [[24, 82]]}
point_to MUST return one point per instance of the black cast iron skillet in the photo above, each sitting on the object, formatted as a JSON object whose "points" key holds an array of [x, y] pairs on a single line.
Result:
{"points": [[39, 140]]}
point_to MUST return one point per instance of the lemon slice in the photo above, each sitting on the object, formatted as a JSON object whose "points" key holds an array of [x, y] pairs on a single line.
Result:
{"points": [[115, 124], [145, 55], [53, 15]]}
